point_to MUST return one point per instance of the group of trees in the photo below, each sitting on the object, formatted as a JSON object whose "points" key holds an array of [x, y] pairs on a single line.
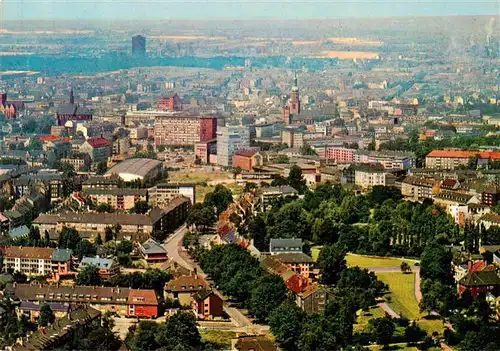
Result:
{"points": [[204, 215], [178, 332], [378, 223], [239, 275], [294, 179]]}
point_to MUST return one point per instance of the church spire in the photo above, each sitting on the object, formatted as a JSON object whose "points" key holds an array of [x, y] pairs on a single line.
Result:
{"points": [[71, 97]]}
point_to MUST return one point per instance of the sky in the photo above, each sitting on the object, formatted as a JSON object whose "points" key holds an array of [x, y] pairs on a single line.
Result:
{"points": [[239, 9]]}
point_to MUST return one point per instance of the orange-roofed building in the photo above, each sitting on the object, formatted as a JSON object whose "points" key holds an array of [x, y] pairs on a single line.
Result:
{"points": [[451, 159], [247, 159], [142, 303]]}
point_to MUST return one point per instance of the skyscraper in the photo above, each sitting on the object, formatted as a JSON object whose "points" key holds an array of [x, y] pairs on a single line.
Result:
{"points": [[138, 46]]}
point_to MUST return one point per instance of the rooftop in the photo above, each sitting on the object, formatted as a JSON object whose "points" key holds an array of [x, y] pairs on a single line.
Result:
{"points": [[186, 283], [137, 166]]}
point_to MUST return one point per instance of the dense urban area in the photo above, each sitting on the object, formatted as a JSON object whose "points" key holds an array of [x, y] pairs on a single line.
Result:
{"points": [[251, 185]]}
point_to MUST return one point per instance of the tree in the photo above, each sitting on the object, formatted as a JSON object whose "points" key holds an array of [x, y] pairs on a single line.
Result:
{"points": [[108, 234], [102, 167], [236, 172], [84, 248], [98, 239], [286, 324], [307, 150], [69, 238], [96, 336], [331, 262], [296, 180], [249, 186], [180, 332], [405, 267], [140, 207], [219, 199], [89, 276], [104, 208], [34, 236], [380, 193], [143, 337], [436, 264], [46, 315], [382, 330], [201, 216], [268, 293], [125, 246], [258, 232], [359, 287]]}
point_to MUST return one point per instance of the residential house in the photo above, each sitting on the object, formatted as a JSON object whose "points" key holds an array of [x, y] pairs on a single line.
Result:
{"points": [[108, 267], [124, 302], [61, 332], [313, 299], [207, 305], [268, 194], [31, 310], [491, 195], [418, 188], [183, 287], [490, 219], [367, 176], [19, 232], [477, 282], [297, 262], [277, 246], [99, 149], [153, 252], [78, 160]]}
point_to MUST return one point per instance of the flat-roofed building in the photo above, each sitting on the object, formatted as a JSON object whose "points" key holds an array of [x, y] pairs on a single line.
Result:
{"points": [[118, 198], [162, 194]]}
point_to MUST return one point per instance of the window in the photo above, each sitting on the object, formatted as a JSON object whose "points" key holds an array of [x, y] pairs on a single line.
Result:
{"points": [[40, 296]]}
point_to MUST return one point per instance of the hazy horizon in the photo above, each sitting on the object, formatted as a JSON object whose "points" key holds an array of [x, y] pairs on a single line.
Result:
{"points": [[157, 10]]}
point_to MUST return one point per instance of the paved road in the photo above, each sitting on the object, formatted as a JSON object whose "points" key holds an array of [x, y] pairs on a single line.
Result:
{"points": [[387, 309], [173, 245]]}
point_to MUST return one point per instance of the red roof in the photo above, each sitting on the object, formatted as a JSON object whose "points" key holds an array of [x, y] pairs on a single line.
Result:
{"points": [[449, 183], [464, 154], [246, 153], [142, 297], [45, 138], [98, 142], [297, 283]]}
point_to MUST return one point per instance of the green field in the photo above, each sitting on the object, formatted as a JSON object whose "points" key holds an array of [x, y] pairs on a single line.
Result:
{"points": [[364, 317], [222, 338], [370, 262], [402, 293]]}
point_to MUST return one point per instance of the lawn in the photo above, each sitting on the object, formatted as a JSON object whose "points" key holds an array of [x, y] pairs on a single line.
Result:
{"points": [[402, 293], [365, 316], [197, 176], [222, 338], [369, 262]]}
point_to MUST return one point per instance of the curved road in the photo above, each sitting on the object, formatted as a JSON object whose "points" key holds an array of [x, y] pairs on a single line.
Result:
{"points": [[173, 245]]}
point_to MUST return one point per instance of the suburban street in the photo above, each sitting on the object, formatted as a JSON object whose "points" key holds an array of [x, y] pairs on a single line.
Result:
{"points": [[173, 245]]}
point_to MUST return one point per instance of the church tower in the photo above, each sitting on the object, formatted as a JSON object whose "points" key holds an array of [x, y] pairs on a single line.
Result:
{"points": [[294, 98], [71, 97]]}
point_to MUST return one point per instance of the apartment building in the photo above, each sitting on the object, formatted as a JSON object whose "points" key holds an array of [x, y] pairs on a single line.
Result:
{"points": [[418, 188], [124, 302], [229, 140], [367, 176], [137, 227], [118, 198], [37, 260], [452, 159], [162, 194], [183, 130], [99, 149]]}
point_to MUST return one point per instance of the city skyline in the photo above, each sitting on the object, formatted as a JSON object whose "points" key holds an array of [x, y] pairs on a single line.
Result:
{"points": [[238, 10]]}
